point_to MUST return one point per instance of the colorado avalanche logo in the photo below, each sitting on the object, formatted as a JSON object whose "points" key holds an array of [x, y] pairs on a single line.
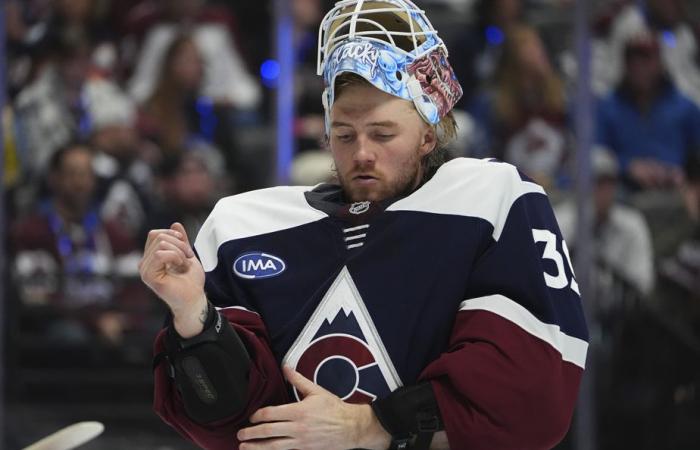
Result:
{"points": [[340, 348]]}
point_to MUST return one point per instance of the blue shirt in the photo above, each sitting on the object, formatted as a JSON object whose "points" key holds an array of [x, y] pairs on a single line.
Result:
{"points": [[668, 132]]}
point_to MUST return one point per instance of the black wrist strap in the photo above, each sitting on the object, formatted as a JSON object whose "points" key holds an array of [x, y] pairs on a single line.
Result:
{"points": [[210, 370], [411, 415], [210, 332]]}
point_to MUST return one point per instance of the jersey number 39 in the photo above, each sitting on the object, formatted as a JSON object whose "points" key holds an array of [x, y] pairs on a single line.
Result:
{"points": [[558, 280]]}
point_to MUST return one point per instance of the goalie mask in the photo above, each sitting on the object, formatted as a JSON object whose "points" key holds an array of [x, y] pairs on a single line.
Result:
{"points": [[392, 45]]}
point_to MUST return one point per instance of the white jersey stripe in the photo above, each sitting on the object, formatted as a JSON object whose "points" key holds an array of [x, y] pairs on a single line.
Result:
{"points": [[252, 214], [350, 230], [572, 349], [460, 187]]}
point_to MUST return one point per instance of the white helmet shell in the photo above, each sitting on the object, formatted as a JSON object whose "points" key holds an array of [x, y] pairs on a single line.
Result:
{"points": [[393, 45]]}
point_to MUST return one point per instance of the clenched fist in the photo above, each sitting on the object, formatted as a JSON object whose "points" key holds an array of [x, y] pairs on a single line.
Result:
{"points": [[170, 268]]}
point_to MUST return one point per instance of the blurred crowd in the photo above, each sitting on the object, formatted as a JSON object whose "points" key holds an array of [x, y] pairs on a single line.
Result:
{"points": [[123, 116]]}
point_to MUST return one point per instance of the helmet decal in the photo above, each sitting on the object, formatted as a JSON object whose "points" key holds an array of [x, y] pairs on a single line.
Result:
{"points": [[392, 45]]}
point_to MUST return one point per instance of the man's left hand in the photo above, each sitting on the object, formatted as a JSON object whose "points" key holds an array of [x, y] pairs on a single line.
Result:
{"points": [[320, 421]]}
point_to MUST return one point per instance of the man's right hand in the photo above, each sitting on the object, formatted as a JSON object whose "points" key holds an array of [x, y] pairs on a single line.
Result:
{"points": [[169, 267]]}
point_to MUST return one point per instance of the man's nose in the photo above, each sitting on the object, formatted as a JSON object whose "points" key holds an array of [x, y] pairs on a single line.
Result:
{"points": [[365, 152]]}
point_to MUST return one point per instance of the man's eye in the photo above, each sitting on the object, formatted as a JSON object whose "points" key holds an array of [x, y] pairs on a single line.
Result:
{"points": [[385, 136], [343, 137]]}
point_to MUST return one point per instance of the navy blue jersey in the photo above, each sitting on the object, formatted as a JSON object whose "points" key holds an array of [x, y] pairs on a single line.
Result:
{"points": [[466, 282]]}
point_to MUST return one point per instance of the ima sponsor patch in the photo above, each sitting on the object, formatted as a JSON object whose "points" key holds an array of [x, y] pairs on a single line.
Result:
{"points": [[257, 265]]}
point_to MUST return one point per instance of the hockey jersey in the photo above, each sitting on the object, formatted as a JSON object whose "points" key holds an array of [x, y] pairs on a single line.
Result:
{"points": [[465, 282]]}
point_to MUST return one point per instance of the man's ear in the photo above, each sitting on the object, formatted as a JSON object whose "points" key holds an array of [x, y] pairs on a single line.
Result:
{"points": [[428, 140]]}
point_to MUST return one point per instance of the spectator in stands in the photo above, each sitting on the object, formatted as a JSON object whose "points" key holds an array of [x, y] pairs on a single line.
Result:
{"points": [[50, 108], [69, 264], [35, 26], [73, 21], [683, 268], [124, 176], [622, 242], [170, 117], [309, 124], [523, 114], [189, 184], [226, 80], [646, 121], [678, 305], [22, 20], [668, 24], [176, 117], [479, 47], [78, 20]]}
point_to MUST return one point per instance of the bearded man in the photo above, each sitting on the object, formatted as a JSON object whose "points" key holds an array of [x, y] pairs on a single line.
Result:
{"points": [[421, 302]]}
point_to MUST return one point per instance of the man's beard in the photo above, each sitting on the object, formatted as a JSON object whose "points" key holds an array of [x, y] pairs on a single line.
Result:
{"points": [[406, 181]]}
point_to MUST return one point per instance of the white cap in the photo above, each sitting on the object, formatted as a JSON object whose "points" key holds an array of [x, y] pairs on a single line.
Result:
{"points": [[604, 162], [107, 105]]}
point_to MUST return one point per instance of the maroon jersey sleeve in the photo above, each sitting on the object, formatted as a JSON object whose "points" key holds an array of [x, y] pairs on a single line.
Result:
{"points": [[497, 387], [509, 377], [266, 386]]}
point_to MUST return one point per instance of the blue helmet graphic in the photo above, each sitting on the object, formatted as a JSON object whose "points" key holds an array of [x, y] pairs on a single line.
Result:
{"points": [[392, 45]]}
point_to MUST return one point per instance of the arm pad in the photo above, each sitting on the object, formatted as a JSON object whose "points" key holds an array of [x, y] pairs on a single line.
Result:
{"points": [[210, 370], [411, 415]]}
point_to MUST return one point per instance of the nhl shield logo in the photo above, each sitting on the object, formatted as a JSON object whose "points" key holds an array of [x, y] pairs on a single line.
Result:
{"points": [[340, 348], [359, 207]]}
